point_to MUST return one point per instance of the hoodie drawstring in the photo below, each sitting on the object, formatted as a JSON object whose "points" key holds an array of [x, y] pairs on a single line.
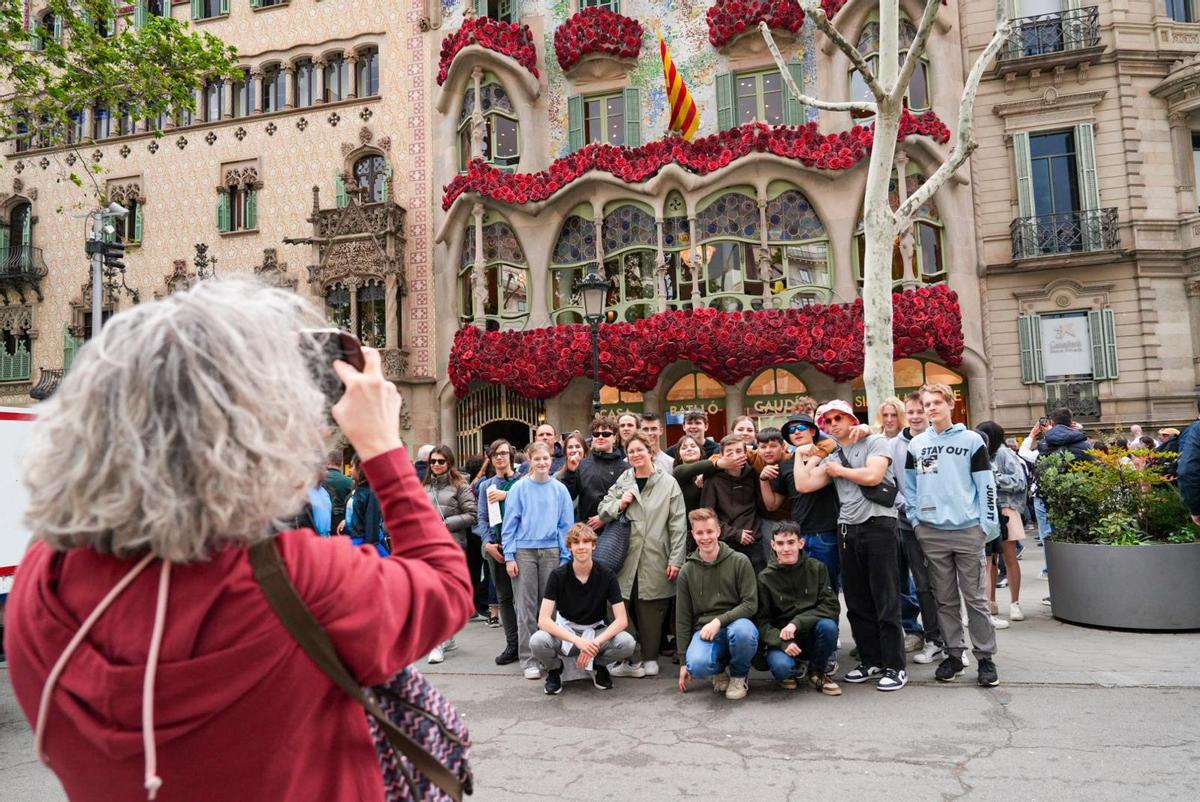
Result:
{"points": [[153, 782]]}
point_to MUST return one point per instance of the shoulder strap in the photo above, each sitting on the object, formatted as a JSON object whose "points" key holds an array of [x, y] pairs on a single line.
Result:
{"points": [[277, 586]]}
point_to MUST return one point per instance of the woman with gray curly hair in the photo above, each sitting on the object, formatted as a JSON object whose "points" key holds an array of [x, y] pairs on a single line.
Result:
{"points": [[182, 434]]}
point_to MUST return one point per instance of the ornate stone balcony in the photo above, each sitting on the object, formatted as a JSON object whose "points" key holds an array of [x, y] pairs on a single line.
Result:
{"points": [[1080, 231], [22, 269]]}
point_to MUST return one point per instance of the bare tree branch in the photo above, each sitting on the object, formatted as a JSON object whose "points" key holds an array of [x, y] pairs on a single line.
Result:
{"points": [[816, 103], [813, 9], [916, 49], [965, 143]]}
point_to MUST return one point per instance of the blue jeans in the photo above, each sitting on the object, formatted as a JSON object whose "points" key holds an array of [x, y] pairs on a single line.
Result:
{"points": [[910, 607], [734, 647], [1043, 522], [816, 649], [823, 546]]}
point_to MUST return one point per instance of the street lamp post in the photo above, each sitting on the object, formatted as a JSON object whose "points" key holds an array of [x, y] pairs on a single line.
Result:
{"points": [[594, 289], [96, 251]]}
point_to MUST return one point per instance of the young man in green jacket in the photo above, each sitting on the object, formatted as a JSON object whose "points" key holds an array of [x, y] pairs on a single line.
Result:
{"points": [[715, 602], [797, 612]]}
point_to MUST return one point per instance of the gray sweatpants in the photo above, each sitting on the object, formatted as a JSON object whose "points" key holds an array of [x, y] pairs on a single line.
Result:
{"points": [[957, 576], [533, 569], [548, 649]]}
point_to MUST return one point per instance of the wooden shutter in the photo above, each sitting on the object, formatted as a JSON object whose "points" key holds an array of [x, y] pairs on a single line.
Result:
{"points": [[139, 14], [1085, 161], [70, 346], [339, 190], [724, 101], [632, 97], [575, 122], [1025, 202], [137, 223], [224, 6], [1102, 329], [386, 195], [3, 244], [27, 229], [793, 109], [1029, 334], [481, 8], [57, 29], [197, 9], [251, 209], [223, 211]]}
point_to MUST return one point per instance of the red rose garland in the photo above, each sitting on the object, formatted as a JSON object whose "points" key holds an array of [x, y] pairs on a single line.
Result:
{"points": [[729, 346], [597, 30], [831, 7], [728, 19], [510, 38], [838, 151]]}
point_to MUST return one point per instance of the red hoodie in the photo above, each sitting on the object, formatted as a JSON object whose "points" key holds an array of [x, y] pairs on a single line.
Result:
{"points": [[240, 711]]}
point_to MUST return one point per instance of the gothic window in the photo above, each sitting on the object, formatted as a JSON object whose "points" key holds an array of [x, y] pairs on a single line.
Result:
{"points": [[214, 99], [306, 90], [337, 78], [75, 128], [574, 253], [501, 134], [372, 173], [337, 306], [368, 72], [237, 204], [505, 277], [243, 95], [274, 88], [16, 346], [372, 313], [101, 123]]}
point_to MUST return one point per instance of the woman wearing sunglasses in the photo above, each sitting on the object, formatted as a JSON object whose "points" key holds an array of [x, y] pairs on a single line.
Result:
{"points": [[450, 494]]}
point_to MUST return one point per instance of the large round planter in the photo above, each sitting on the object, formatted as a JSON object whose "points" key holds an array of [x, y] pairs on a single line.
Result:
{"points": [[1152, 587]]}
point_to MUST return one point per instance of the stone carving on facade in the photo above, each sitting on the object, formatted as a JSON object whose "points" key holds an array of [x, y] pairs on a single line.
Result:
{"points": [[180, 278], [124, 191], [275, 272], [244, 177], [360, 240], [17, 318]]}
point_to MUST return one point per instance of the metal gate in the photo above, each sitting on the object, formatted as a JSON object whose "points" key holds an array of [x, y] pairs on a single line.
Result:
{"points": [[491, 403]]}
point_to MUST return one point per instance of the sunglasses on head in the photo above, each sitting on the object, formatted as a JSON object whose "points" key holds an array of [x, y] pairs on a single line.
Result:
{"points": [[437, 462], [602, 434]]}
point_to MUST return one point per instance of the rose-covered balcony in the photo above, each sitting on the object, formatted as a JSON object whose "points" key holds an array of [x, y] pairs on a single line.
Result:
{"points": [[511, 40], [734, 23], [598, 44]]}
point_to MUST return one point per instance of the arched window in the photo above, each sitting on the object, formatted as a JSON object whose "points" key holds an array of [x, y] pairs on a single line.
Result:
{"points": [[677, 239], [243, 95], [917, 97], [101, 123], [306, 89], [727, 227], [505, 278], [274, 88], [776, 381], [337, 78], [630, 252], [214, 100], [371, 172], [798, 272], [372, 313], [574, 253], [501, 136], [368, 72], [928, 261], [48, 28], [909, 375], [695, 391], [337, 306]]}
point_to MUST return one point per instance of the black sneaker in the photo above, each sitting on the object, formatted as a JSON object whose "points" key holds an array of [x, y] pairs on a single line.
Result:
{"points": [[949, 669], [988, 678], [554, 682], [509, 655], [601, 678], [862, 673], [892, 680]]}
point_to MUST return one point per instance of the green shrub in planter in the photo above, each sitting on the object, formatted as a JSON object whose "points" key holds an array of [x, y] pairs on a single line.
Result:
{"points": [[1120, 499]]}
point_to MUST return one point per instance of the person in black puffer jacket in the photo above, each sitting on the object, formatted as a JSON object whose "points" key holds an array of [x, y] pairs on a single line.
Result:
{"points": [[596, 473], [1064, 437]]}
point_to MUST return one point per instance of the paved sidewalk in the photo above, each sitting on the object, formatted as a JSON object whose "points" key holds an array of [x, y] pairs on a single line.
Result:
{"points": [[1080, 714]]}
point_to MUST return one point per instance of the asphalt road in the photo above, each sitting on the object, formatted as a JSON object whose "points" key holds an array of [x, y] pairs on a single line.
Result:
{"points": [[1080, 714]]}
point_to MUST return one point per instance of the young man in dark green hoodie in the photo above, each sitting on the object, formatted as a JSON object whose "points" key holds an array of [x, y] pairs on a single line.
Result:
{"points": [[797, 612], [716, 598]]}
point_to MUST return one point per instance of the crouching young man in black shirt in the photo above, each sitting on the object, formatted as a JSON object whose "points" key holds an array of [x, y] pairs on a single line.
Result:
{"points": [[573, 617]]}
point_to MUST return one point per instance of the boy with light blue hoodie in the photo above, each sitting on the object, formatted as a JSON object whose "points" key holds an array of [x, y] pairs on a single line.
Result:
{"points": [[950, 493]]}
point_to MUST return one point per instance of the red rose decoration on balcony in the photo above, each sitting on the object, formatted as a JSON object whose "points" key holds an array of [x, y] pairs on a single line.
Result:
{"points": [[803, 143], [831, 7], [597, 30], [729, 346], [510, 38], [729, 19]]}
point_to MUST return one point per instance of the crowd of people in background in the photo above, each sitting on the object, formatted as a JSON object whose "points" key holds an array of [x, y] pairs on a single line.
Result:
{"points": [[604, 549]]}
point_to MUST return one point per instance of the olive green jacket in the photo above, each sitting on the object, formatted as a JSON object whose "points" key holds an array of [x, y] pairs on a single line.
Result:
{"points": [[657, 536]]}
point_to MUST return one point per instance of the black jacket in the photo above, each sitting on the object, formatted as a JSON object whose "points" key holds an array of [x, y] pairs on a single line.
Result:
{"points": [[368, 515], [710, 447], [1064, 438], [592, 479]]}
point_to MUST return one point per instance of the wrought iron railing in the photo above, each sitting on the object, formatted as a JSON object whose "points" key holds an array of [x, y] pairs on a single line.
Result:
{"points": [[1060, 32], [1065, 232], [1081, 397], [22, 262]]}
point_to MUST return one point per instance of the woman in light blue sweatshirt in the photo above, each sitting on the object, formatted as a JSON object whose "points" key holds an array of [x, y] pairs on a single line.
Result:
{"points": [[537, 515]]}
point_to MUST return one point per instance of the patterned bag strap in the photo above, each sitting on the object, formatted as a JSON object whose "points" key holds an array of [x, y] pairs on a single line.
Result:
{"points": [[277, 586]]}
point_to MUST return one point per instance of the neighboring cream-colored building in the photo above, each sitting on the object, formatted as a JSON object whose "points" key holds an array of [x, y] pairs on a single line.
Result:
{"points": [[504, 263], [325, 139], [1086, 209]]}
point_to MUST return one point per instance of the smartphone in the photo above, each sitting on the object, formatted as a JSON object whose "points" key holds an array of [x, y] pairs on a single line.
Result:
{"points": [[330, 345], [1043, 421]]}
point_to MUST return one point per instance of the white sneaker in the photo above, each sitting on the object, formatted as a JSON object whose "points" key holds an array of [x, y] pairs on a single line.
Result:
{"points": [[627, 669], [650, 667], [721, 682], [1000, 623], [913, 642], [1014, 612], [929, 654], [533, 673], [737, 688], [892, 680], [449, 645], [437, 655]]}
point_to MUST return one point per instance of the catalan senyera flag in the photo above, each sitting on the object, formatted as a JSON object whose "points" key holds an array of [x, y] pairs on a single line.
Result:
{"points": [[685, 117]]}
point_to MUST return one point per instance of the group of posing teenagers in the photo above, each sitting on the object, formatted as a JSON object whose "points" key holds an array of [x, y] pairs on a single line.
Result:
{"points": [[740, 548]]}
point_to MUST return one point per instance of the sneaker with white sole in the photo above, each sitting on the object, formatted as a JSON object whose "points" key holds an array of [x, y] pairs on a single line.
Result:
{"points": [[892, 680], [601, 679], [650, 667], [449, 645], [1014, 612], [789, 683], [437, 655], [533, 673], [930, 653], [627, 669], [950, 669], [738, 687], [1046, 601], [721, 682], [1000, 623], [862, 673], [913, 642]]}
